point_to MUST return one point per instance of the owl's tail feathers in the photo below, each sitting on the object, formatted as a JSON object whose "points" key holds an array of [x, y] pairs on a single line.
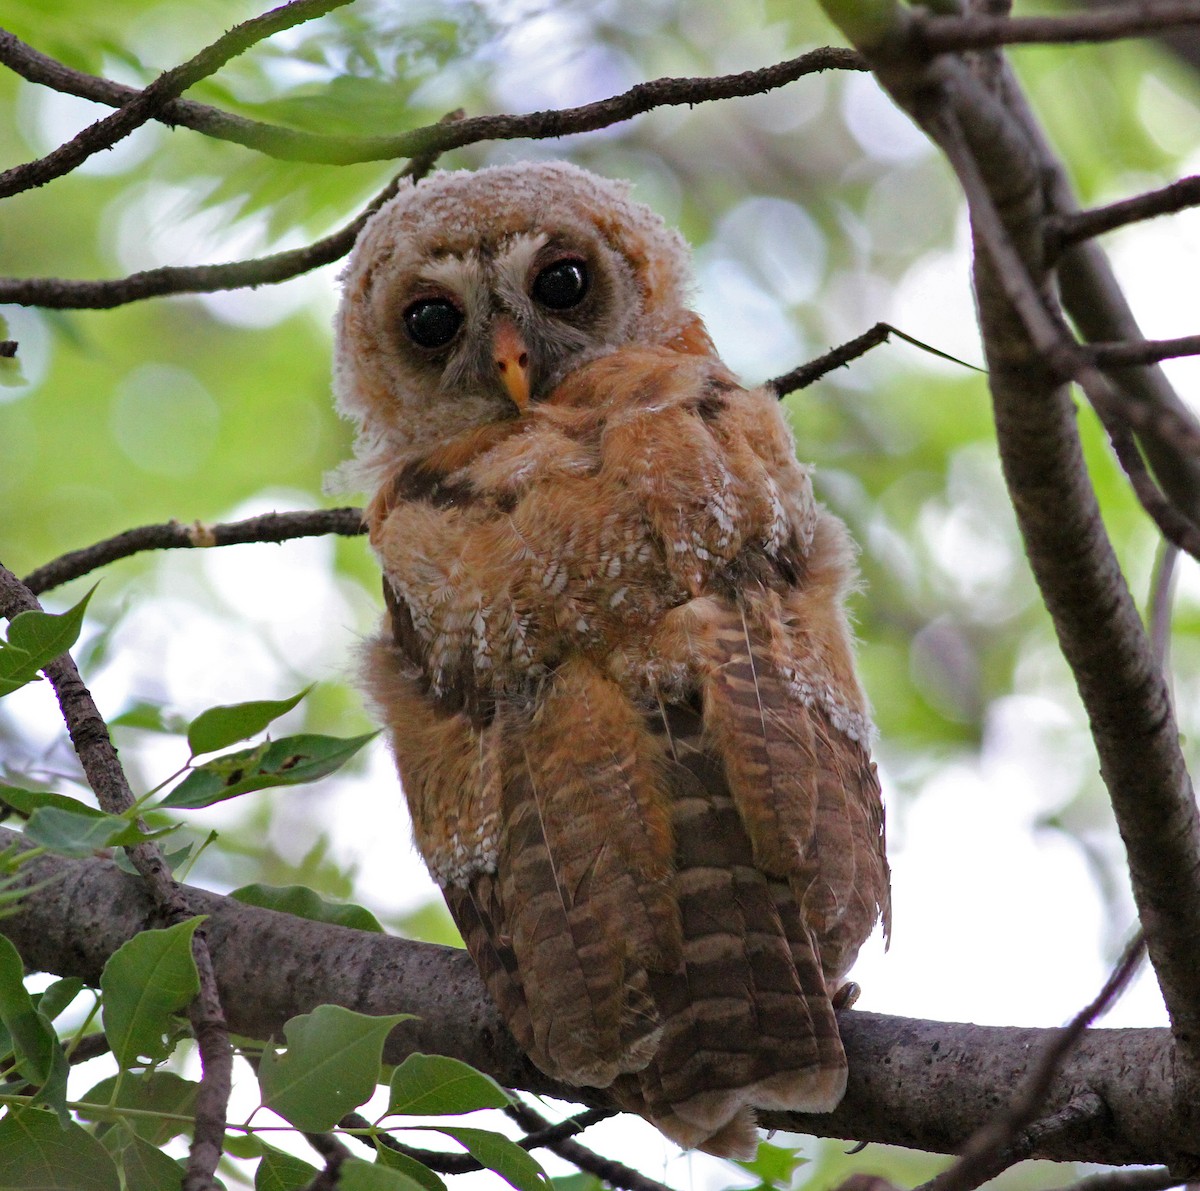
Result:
{"points": [[747, 1021], [724, 1123]]}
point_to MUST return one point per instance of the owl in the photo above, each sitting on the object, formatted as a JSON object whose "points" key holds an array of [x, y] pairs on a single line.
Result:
{"points": [[615, 666]]}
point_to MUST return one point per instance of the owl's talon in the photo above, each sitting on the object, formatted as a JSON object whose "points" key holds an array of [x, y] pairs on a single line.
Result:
{"points": [[846, 996]]}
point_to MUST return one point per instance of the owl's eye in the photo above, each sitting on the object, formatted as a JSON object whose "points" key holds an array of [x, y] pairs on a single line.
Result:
{"points": [[432, 322], [561, 285]]}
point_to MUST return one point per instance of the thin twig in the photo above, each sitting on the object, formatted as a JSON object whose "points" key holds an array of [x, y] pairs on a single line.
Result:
{"points": [[174, 535], [444, 1162], [290, 144], [94, 747], [61, 294], [939, 34], [1146, 351], [845, 353], [1075, 226], [1175, 527], [615, 1174], [992, 1148], [105, 133]]}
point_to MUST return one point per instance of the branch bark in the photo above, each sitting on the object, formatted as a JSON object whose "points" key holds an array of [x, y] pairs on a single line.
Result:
{"points": [[924, 1084], [975, 114]]}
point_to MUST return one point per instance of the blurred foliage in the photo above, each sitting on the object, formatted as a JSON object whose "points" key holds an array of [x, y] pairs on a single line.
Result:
{"points": [[815, 212]]}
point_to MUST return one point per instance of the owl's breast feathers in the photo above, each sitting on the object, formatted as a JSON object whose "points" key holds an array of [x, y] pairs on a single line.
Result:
{"points": [[621, 694]]}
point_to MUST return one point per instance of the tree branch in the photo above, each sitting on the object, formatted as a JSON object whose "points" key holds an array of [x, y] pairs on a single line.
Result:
{"points": [[1075, 226], [939, 34], [290, 144], [105, 133], [923, 1084], [174, 535], [94, 747], [1029, 353]]}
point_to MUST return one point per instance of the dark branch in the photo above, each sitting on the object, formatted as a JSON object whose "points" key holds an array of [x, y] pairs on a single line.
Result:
{"points": [[1174, 526], [546, 1136], [845, 353], [94, 748], [292, 145], [992, 1148], [927, 1085], [1147, 351], [938, 34], [615, 1174], [174, 535], [1075, 226], [61, 294], [145, 105]]}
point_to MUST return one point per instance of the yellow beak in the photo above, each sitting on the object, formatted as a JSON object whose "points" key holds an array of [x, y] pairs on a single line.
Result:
{"points": [[512, 362]]}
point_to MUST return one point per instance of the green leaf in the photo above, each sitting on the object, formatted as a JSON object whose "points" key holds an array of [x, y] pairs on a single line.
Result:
{"points": [[580, 1181], [16, 668], [282, 1172], [147, 1168], [37, 1153], [147, 716], [219, 727], [33, 1038], [34, 640], [357, 1175], [304, 903], [331, 1065], [773, 1166], [433, 1085], [57, 996], [417, 1171], [81, 832], [291, 761], [144, 982], [25, 802], [244, 1145], [498, 1153], [162, 1092]]}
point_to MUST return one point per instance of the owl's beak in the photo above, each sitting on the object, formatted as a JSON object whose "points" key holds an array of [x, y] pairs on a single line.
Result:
{"points": [[512, 362]]}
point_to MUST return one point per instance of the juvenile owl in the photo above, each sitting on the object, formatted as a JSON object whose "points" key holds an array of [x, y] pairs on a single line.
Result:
{"points": [[615, 665]]}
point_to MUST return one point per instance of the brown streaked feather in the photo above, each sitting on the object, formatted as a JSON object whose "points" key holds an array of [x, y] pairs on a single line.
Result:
{"points": [[747, 1022], [585, 866]]}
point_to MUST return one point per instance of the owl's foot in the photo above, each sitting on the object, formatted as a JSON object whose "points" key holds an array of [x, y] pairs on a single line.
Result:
{"points": [[845, 996]]}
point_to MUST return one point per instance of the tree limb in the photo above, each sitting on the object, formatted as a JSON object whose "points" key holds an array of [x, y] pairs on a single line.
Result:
{"points": [[143, 106], [289, 144], [923, 1084], [1030, 355]]}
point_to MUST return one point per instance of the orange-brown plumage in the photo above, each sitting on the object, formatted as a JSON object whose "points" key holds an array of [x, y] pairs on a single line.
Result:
{"points": [[616, 671]]}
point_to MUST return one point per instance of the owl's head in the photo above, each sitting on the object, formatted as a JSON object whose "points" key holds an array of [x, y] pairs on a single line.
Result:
{"points": [[471, 295]]}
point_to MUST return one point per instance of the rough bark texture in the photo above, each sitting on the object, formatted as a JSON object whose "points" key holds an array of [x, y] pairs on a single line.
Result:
{"points": [[919, 1083]]}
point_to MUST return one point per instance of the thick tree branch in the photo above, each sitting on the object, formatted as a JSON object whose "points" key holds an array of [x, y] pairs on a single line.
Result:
{"points": [[291, 144], [146, 104], [923, 1084], [995, 1147]]}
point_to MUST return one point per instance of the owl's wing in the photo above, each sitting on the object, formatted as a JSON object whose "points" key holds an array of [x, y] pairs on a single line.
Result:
{"points": [[547, 825]]}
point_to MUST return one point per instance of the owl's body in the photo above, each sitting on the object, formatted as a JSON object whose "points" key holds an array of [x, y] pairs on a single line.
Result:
{"points": [[616, 669]]}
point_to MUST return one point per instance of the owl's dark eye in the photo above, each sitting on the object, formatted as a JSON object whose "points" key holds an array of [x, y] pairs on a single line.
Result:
{"points": [[561, 285], [432, 322]]}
